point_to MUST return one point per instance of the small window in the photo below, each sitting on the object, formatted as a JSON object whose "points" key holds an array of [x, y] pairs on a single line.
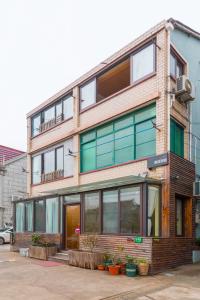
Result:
{"points": [[153, 208], [36, 122], [176, 138], [19, 217], [40, 216], [176, 66], [143, 63], [68, 107], [49, 162], [52, 215], [36, 169], [88, 94], [92, 212], [59, 158], [29, 216], [113, 80]]}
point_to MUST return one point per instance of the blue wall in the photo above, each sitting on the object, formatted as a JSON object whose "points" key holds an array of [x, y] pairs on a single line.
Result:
{"points": [[189, 47]]}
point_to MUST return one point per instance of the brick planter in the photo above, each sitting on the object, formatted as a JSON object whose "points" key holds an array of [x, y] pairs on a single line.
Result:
{"points": [[42, 252], [84, 259]]}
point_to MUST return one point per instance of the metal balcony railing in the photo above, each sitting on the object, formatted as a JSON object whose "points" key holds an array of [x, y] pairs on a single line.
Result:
{"points": [[51, 123], [46, 177]]}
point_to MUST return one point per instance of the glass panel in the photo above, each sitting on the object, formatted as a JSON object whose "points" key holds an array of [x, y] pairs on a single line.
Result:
{"points": [[130, 210], [49, 114], [88, 137], [145, 139], [104, 130], [59, 159], [36, 122], [19, 217], [52, 215], [176, 138], [179, 217], [124, 145], [68, 107], [153, 210], [145, 113], [88, 94], [123, 122], [36, 169], [40, 216], [179, 70], [88, 156], [29, 216], [59, 109], [49, 162], [172, 65], [143, 63], [92, 214], [110, 211], [72, 199], [105, 144]]}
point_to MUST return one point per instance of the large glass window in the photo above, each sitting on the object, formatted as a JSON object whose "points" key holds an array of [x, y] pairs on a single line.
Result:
{"points": [[110, 211], [19, 217], [60, 158], [49, 162], [88, 94], [36, 169], [59, 109], [68, 107], [29, 216], [36, 122], [40, 216], [130, 210], [91, 212], [52, 215], [49, 114], [143, 62], [153, 207], [127, 138], [176, 138]]}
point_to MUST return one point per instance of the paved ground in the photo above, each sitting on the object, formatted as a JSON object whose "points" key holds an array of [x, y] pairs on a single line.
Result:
{"points": [[23, 278]]}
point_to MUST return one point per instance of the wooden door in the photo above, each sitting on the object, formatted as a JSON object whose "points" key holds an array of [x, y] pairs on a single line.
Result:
{"points": [[72, 222]]}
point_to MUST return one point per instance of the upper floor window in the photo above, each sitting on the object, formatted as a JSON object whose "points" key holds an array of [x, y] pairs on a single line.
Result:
{"points": [[54, 114], [36, 169], [135, 67], [176, 66], [176, 138], [127, 138], [143, 63]]}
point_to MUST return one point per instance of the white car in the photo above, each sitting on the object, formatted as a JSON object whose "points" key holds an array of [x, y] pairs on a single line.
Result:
{"points": [[5, 235]]}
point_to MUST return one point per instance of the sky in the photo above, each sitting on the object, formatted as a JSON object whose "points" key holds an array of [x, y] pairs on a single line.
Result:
{"points": [[47, 44]]}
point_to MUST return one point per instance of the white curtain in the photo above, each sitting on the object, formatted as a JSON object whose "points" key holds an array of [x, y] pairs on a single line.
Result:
{"points": [[153, 208], [52, 215], [19, 217]]}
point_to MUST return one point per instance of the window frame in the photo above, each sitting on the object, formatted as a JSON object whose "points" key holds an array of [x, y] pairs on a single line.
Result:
{"points": [[177, 124], [178, 62]]}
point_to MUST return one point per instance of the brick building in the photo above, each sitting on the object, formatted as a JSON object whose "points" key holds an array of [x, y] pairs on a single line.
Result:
{"points": [[110, 154], [12, 181]]}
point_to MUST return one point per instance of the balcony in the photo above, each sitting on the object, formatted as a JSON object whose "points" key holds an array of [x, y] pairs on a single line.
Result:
{"points": [[55, 175], [51, 123]]}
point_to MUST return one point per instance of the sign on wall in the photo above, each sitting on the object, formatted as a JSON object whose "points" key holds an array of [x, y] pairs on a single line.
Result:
{"points": [[157, 161]]}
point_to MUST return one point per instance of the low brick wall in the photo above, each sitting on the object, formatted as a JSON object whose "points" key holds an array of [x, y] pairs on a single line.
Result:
{"points": [[23, 239], [170, 253], [109, 244]]}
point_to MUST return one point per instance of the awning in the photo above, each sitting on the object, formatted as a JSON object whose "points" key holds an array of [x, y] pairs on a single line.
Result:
{"points": [[122, 181]]}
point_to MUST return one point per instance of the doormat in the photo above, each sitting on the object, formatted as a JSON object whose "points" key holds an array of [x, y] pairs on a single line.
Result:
{"points": [[47, 263]]}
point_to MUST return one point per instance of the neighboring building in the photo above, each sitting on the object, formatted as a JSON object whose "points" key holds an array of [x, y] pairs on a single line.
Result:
{"points": [[111, 154], [12, 182]]}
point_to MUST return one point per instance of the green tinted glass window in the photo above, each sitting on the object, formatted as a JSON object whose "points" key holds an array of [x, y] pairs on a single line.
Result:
{"points": [[123, 122], [145, 113], [88, 157], [176, 138]]}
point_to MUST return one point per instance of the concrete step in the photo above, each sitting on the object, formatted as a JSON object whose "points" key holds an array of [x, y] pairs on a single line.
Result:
{"points": [[61, 257]]}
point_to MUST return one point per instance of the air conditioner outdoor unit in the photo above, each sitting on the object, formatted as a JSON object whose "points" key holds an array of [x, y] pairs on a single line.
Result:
{"points": [[196, 188], [184, 89]]}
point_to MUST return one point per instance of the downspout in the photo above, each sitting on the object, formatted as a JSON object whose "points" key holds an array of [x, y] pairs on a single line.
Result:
{"points": [[169, 28]]}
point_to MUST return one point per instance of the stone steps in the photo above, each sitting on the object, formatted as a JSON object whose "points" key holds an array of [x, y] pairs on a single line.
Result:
{"points": [[61, 257]]}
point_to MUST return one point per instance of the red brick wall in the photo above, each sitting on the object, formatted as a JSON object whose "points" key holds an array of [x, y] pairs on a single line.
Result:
{"points": [[170, 253]]}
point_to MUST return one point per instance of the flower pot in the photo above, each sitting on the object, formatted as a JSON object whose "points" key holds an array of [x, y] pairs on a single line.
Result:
{"points": [[100, 267], [131, 270], [107, 263], [114, 270], [143, 269], [122, 269]]}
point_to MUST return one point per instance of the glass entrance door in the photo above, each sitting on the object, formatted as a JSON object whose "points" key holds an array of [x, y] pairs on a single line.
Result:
{"points": [[72, 223]]}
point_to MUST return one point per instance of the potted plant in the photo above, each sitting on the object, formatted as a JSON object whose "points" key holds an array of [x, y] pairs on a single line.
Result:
{"points": [[122, 265], [114, 268], [130, 266], [41, 249], [107, 260], [101, 267], [143, 266]]}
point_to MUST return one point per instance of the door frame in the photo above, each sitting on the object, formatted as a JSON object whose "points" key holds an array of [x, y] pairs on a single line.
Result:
{"points": [[64, 222]]}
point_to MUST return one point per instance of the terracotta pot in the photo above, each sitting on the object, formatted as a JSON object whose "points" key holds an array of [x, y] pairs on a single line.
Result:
{"points": [[143, 269], [114, 270], [101, 267]]}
